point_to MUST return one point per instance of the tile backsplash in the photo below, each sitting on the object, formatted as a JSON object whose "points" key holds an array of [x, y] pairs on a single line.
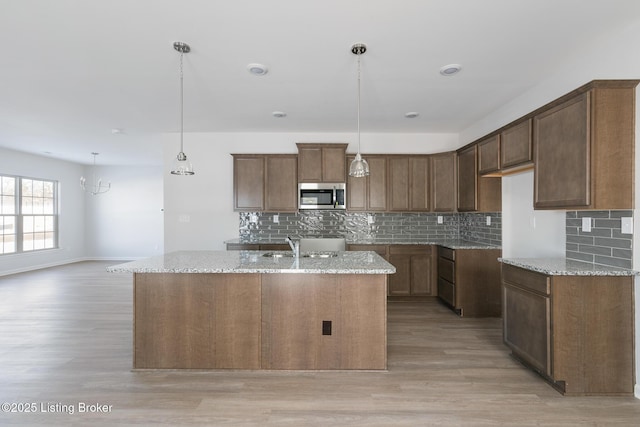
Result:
{"points": [[604, 244], [359, 226]]}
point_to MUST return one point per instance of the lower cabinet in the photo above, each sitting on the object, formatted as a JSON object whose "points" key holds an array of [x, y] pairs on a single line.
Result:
{"points": [[415, 270], [469, 281], [575, 331]]}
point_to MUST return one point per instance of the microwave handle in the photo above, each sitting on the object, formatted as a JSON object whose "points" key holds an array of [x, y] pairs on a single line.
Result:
{"points": [[335, 198]]}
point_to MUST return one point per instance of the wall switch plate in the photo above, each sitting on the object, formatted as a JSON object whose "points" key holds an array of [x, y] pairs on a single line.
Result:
{"points": [[276, 219], [488, 220], [370, 219], [586, 224], [440, 219], [626, 224], [253, 219]]}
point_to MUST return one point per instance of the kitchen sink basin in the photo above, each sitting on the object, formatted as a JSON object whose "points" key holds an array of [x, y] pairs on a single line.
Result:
{"points": [[278, 255], [320, 255]]}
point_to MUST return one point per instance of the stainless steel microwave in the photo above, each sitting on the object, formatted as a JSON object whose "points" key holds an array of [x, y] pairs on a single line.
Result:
{"points": [[322, 196]]}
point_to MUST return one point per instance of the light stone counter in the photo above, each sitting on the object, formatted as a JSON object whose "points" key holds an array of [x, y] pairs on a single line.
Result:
{"points": [[566, 267], [255, 262]]}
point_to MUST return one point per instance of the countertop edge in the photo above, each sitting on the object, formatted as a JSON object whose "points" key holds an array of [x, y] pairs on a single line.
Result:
{"points": [[566, 267]]}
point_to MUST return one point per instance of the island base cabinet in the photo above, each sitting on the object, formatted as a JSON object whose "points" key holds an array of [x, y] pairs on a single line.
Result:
{"points": [[318, 322], [196, 321], [576, 331]]}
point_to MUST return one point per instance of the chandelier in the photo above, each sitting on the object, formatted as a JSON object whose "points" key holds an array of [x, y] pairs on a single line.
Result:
{"points": [[97, 186]]}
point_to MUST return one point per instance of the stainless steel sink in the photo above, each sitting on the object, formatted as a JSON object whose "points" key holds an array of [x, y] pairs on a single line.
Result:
{"points": [[320, 255], [278, 255]]}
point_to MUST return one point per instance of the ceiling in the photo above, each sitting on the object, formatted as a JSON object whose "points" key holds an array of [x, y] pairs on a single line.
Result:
{"points": [[74, 70]]}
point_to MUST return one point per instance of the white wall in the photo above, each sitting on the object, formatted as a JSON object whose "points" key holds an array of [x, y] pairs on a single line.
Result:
{"points": [[71, 216], [127, 222], [199, 209]]}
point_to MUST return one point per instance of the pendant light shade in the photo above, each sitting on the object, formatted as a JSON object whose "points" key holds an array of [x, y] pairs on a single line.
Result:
{"points": [[359, 166], [181, 165]]}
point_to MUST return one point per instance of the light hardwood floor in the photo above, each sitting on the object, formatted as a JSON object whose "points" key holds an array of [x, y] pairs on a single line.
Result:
{"points": [[66, 337]]}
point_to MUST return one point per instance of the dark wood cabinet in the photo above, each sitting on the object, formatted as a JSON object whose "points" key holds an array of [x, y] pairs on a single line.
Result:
{"points": [[575, 331], [516, 146], [322, 162], [415, 270], [408, 183], [489, 155], [265, 182], [369, 193], [476, 193], [248, 182], [443, 182], [583, 149], [469, 281]]}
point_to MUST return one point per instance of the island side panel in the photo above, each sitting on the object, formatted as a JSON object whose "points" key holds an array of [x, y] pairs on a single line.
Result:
{"points": [[196, 321], [295, 307]]}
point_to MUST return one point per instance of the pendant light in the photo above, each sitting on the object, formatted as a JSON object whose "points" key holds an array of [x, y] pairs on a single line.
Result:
{"points": [[97, 187], [359, 166], [182, 166]]}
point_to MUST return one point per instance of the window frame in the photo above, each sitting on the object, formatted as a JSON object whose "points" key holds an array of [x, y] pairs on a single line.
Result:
{"points": [[20, 215]]}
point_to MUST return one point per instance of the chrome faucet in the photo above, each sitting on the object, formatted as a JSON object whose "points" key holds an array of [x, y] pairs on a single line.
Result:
{"points": [[295, 246]]}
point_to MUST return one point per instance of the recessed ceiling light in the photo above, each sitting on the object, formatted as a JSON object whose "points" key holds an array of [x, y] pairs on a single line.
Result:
{"points": [[257, 69], [411, 115], [279, 114], [116, 131], [450, 70]]}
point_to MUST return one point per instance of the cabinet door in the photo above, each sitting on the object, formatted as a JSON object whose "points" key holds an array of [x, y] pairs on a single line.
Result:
{"points": [[377, 183], [526, 318], [281, 183], [516, 145], [248, 183], [562, 155], [334, 168], [309, 163], [400, 282], [489, 155], [467, 180], [443, 182], [423, 273], [356, 192], [399, 183], [419, 184]]}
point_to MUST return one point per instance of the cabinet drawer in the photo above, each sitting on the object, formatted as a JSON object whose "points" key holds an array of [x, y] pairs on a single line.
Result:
{"points": [[447, 292], [447, 253], [526, 279], [447, 269], [409, 250]]}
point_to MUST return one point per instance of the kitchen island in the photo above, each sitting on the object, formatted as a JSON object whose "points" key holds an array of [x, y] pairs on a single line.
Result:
{"points": [[260, 310]]}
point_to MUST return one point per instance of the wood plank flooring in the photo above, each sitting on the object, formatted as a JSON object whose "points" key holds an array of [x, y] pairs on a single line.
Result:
{"points": [[66, 338]]}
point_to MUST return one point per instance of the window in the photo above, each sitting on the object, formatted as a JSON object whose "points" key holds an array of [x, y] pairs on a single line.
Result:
{"points": [[28, 214]]}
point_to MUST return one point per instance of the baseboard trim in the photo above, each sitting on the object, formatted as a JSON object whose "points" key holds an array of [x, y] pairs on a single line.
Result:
{"points": [[64, 262]]}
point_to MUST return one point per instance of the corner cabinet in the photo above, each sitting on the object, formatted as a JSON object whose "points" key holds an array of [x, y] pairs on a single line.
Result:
{"points": [[575, 331], [368, 193], [584, 148], [321, 162], [476, 193], [265, 182]]}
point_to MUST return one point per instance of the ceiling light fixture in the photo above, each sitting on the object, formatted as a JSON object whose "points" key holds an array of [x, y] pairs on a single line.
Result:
{"points": [[359, 166], [411, 115], [279, 114], [181, 166], [97, 187], [257, 69], [450, 70]]}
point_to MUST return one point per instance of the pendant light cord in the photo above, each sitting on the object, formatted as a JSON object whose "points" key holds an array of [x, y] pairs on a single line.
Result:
{"points": [[181, 103], [358, 104]]}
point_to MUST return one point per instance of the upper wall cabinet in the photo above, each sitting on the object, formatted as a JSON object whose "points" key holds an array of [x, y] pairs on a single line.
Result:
{"points": [[321, 162], [476, 193], [516, 146], [443, 182], [489, 155], [368, 193], [408, 189], [265, 182], [584, 149]]}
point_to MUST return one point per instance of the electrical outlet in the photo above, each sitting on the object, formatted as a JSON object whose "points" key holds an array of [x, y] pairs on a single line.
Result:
{"points": [[626, 225], [370, 219], [253, 219], [440, 219], [276, 219], [586, 225], [488, 220]]}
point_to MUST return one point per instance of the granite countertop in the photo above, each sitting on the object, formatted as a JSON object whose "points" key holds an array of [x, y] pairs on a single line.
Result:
{"points": [[253, 262], [566, 267], [447, 243]]}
